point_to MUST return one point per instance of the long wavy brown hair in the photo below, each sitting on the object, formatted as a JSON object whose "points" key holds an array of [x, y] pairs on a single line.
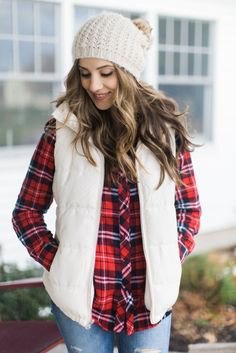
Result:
{"points": [[139, 113]]}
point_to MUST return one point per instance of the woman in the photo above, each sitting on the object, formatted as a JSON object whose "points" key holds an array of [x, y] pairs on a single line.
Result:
{"points": [[115, 156]]}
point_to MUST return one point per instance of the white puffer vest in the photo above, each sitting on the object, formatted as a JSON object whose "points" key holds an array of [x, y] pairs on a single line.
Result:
{"points": [[77, 189]]}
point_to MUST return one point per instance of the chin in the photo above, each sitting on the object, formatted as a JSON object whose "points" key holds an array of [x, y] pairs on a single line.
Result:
{"points": [[103, 107]]}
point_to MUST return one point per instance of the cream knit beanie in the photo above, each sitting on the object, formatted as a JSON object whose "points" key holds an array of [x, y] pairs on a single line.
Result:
{"points": [[113, 37]]}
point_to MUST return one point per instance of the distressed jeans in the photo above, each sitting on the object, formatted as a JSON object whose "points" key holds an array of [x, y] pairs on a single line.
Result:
{"points": [[95, 339]]}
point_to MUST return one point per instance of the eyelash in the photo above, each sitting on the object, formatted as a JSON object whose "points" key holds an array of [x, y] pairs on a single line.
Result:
{"points": [[103, 75]]}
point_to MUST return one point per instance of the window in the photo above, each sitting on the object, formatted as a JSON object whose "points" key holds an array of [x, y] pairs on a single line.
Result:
{"points": [[82, 13], [185, 67], [29, 68], [28, 36], [5, 17]]}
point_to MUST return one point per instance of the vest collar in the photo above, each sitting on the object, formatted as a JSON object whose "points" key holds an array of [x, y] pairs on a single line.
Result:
{"points": [[64, 116]]}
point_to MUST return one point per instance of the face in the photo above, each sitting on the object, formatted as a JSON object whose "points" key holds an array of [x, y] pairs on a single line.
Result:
{"points": [[99, 79]]}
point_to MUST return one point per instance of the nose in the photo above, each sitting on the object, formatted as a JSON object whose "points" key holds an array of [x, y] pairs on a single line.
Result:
{"points": [[95, 83]]}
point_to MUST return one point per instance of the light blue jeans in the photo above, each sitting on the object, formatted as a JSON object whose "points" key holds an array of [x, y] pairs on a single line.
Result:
{"points": [[95, 339]]}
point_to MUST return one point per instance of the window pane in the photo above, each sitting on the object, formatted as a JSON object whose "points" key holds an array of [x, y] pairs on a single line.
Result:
{"points": [[190, 64], [162, 62], [132, 15], [205, 34], [6, 16], [197, 64], [47, 20], [25, 17], [184, 32], [191, 33], [204, 64], [177, 32], [81, 15], [184, 64], [26, 56], [176, 63], [169, 63], [191, 96], [47, 57], [6, 50], [162, 31]]}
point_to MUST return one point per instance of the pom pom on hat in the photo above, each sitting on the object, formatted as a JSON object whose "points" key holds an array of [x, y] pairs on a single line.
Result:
{"points": [[113, 37]]}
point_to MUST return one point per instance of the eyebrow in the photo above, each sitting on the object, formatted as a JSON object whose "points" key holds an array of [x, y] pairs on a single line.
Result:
{"points": [[98, 68]]}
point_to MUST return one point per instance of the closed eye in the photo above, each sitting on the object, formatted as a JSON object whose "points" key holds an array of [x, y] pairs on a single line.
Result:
{"points": [[85, 75], [107, 74], [88, 75]]}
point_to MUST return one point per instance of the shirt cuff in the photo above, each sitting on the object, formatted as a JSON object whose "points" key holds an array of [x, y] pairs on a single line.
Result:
{"points": [[46, 256]]}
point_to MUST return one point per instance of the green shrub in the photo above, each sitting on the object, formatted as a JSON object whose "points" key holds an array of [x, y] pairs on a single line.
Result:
{"points": [[199, 274], [201, 323], [209, 279], [228, 290], [24, 303]]}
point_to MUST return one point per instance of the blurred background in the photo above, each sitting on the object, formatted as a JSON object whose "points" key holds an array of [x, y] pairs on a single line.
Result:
{"points": [[193, 60]]}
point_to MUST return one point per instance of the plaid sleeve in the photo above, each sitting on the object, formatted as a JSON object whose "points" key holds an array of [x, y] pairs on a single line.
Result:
{"points": [[188, 209], [35, 199]]}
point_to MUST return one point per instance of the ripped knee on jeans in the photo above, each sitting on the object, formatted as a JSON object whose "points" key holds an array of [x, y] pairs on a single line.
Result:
{"points": [[146, 350], [75, 349]]}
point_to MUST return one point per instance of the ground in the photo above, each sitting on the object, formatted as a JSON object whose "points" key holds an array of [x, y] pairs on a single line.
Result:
{"points": [[194, 323], [196, 320]]}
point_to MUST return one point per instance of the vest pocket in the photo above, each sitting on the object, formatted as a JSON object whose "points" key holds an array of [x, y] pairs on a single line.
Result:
{"points": [[67, 267]]}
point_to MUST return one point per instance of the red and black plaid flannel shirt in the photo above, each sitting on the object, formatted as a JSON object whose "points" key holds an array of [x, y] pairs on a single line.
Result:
{"points": [[119, 274]]}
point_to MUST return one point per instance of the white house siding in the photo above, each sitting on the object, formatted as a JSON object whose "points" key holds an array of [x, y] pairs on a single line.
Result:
{"points": [[215, 162], [13, 168]]}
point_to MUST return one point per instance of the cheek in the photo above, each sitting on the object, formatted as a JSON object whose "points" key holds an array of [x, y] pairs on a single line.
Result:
{"points": [[114, 84]]}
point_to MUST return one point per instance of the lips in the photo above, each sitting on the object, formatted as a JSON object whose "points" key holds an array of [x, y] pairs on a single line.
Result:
{"points": [[100, 96]]}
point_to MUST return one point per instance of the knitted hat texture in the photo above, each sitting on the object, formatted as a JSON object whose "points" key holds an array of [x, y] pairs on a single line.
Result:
{"points": [[113, 37]]}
